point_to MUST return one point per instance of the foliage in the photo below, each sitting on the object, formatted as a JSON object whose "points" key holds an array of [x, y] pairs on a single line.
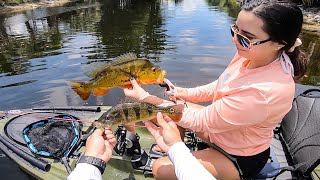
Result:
{"points": [[230, 6], [310, 2], [16, 2]]}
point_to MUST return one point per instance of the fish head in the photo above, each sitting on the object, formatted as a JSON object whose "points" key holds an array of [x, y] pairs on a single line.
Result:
{"points": [[174, 112], [108, 119], [150, 74]]}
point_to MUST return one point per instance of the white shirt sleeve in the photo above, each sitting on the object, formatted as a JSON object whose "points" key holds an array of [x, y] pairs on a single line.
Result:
{"points": [[84, 171], [186, 166]]}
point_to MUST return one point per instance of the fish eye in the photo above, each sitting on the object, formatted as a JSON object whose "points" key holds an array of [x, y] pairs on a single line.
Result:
{"points": [[153, 69], [108, 117], [171, 110]]}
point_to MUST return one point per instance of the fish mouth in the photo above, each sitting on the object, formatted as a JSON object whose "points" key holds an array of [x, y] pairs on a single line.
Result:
{"points": [[161, 77], [100, 125]]}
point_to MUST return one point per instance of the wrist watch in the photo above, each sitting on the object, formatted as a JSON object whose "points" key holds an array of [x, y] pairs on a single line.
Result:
{"points": [[99, 163]]}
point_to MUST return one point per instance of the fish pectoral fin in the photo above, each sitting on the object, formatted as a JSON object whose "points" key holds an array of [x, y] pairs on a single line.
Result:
{"points": [[129, 86], [100, 91], [130, 127]]}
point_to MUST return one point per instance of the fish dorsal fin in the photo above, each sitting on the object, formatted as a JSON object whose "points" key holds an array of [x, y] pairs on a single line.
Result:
{"points": [[124, 58], [91, 70]]}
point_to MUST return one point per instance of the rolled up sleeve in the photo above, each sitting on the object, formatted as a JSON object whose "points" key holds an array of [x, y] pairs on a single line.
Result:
{"points": [[202, 93], [233, 111]]}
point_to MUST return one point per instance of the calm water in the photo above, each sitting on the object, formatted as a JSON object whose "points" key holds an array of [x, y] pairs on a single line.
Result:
{"points": [[40, 50]]}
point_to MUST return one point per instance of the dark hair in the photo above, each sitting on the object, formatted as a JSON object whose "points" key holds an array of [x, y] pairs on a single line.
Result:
{"points": [[283, 23]]}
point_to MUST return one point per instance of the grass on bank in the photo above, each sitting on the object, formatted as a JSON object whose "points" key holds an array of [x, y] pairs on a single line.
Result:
{"points": [[15, 2]]}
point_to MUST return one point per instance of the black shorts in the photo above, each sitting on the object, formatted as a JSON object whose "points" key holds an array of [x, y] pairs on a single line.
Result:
{"points": [[251, 165]]}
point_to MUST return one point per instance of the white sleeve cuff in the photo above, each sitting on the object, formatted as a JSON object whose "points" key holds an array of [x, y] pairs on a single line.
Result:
{"points": [[177, 151], [84, 171], [187, 166]]}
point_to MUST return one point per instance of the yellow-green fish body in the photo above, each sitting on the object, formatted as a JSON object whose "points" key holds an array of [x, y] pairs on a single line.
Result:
{"points": [[130, 113], [117, 74]]}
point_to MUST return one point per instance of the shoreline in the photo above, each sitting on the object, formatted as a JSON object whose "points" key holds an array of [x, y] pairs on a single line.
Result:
{"points": [[30, 6], [311, 19]]}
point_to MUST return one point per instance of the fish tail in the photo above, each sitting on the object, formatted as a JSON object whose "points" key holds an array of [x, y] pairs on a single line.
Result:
{"points": [[78, 87], [175, 112]]}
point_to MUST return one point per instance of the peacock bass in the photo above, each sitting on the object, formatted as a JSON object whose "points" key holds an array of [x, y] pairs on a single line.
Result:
{"points": [[130, 113], [117, 74]]}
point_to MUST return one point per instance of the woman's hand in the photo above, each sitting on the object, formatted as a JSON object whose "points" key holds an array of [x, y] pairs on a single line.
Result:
{"points": [[167, 134], [136, 91], [174, 92], [100, 144], [180, 93]]}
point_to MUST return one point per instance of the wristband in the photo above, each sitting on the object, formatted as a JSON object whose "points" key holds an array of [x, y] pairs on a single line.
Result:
{"points": [[99, 163]]}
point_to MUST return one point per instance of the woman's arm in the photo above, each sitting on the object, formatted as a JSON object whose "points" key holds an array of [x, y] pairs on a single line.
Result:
{"points": [[202, 93], [230, 112]]}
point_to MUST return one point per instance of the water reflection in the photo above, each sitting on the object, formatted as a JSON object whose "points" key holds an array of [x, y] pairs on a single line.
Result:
{"points": [[135, 26], [230, 6]]}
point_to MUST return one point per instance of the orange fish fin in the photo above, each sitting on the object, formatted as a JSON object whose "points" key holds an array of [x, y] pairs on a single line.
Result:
{"points": [[130, 127], [129, 86], [100, 91], [78, 87]]}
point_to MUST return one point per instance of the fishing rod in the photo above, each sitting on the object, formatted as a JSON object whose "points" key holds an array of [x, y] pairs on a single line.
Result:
{"points": [[21, 113]]}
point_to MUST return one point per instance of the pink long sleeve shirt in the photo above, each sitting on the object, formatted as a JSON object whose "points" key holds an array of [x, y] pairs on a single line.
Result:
{"points": [[246, 106]]}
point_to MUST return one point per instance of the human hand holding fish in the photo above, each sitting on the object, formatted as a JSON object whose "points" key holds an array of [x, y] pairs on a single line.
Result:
{"points": [[174, 93], [100, 144], [136, 91], [167, 134]]}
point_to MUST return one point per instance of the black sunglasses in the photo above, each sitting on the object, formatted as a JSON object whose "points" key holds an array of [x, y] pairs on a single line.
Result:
{"points": [[244, 41]]}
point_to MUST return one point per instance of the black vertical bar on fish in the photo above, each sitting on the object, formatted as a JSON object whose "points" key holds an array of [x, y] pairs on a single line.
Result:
{"points": [[149, 109], [125, 112], [132, 69], [137, 111]]}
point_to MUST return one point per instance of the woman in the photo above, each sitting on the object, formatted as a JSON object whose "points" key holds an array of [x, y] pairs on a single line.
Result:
{"points": [[249, 98]]}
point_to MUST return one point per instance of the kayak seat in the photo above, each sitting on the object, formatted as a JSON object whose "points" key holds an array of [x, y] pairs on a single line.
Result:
{"points": [[278, 160], [297, 139]]}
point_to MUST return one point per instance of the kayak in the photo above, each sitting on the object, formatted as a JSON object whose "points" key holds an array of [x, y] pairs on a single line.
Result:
{"points": [[124, 164], [14, 146]]}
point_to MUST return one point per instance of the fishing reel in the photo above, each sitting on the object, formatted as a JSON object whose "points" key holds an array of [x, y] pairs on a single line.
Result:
{"points": [[128, 145], [193, 142]]}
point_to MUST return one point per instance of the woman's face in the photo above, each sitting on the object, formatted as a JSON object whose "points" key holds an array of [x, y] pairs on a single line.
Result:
{"points": [[251, 26]]}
